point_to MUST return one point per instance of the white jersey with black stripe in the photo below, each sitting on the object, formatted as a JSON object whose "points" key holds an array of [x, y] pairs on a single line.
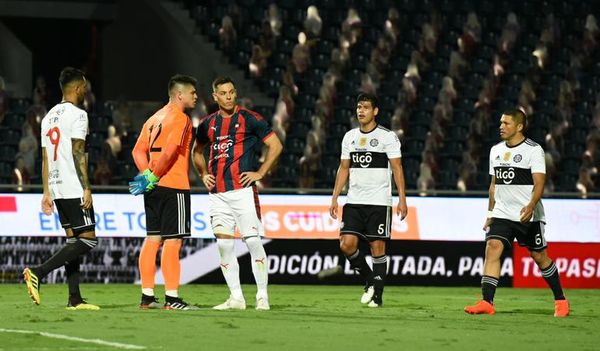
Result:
{"points": [[62, 123], [370, 171], [513, 167]]}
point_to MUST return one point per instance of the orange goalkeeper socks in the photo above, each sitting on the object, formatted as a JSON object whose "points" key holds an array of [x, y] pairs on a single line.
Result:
{"points": [[170, 264], [147, 262]]}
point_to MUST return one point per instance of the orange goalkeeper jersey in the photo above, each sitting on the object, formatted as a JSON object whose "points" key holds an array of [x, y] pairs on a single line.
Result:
{"points": [[167, 126]]}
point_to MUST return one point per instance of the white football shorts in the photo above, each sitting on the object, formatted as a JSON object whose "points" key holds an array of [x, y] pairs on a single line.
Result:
{"points": [[236, 208]]}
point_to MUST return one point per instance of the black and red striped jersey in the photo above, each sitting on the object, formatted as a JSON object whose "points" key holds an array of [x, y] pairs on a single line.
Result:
{"points": [[234, 143]]}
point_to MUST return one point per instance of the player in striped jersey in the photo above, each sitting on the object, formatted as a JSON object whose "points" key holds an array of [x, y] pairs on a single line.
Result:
{"points": [[66, 184], [515, 210], [370, 156], [235, 136], [162, 154]]}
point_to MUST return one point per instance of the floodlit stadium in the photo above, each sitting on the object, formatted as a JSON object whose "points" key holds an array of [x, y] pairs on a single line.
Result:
{"points": [[270, 110]]}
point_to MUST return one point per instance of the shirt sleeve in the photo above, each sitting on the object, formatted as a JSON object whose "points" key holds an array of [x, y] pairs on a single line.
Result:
{"points": [[80, 126], [44, 131], [140, 150], [391, 146], [346, 147], [177, 130], [260, 127], [538, 160], [202, 131], [144, 137]]}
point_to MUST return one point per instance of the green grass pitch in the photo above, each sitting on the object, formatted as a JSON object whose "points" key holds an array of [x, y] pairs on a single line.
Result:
{"points": [[302, 318]]}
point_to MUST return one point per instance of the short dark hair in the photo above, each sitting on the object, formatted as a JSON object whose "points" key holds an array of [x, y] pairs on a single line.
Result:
{"points": [[69, 75], [221, 81], [368, 97], [181, 79], [518, 116]]}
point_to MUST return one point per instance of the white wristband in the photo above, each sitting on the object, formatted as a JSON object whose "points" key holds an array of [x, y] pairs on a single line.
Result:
{"points": [[490, 214]]}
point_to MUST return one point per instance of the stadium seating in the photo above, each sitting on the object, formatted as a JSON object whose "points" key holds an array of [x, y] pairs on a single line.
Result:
{"points": [[483, 69], [544, 61]]}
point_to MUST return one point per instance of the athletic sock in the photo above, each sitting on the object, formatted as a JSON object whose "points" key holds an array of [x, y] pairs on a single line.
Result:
{"points": [[488, 287], [170, 265], [359, 264], [552, 277], [71, 251], [379, 274], [72, 270], [230, 267], [259, 264], [147, 265]]}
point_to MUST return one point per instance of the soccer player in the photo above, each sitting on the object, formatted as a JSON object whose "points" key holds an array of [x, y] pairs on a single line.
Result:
{"points": [[66, 184], [234, 136], [515, 210], [162, 155], [369, 153]]}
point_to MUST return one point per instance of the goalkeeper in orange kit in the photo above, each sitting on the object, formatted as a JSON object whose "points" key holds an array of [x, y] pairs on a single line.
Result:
{"points": [[162, 154]]}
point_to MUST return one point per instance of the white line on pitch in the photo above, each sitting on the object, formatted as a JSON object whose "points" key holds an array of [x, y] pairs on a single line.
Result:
{"points": [[74, 338]]}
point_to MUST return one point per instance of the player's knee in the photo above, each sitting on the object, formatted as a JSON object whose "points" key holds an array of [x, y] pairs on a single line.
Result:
{"points": [[347, 248], [224, 236], [254, 240], [538, 256], [226, 246], [154, 238], [493, 248], [87, 235], [377, 248]]}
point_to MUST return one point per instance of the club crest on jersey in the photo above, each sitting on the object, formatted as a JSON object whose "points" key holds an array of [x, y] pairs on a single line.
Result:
{"points": [[507, 156], [517, 158], [362, 142], [374, 142]]}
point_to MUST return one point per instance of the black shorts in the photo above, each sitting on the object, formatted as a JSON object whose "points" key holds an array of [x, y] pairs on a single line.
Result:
{"points": [[73, 216], [529, 235], [168, 212], [370, 222]]}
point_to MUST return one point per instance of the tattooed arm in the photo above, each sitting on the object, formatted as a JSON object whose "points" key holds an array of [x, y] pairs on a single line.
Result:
{"points": [[80, 159], [47, 203]]}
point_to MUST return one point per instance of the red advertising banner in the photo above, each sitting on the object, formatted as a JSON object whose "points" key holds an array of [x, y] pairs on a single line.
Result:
{"points": [[578, 264], [8, 204]]}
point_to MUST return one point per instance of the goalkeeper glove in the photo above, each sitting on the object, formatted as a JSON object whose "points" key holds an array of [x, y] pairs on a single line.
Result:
{"points": [[152, 179], [143, 183]]}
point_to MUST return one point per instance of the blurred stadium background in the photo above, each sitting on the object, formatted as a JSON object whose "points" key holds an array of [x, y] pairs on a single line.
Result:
{"points": [[443, 70]]}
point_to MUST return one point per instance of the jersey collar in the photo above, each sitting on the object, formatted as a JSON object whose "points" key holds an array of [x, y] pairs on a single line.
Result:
{"points": [[510, 147], [235, 110], [376, 125]]}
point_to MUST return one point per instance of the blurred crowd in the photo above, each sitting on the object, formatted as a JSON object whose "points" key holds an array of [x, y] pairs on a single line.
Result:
{"points": [[458, 73]]}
